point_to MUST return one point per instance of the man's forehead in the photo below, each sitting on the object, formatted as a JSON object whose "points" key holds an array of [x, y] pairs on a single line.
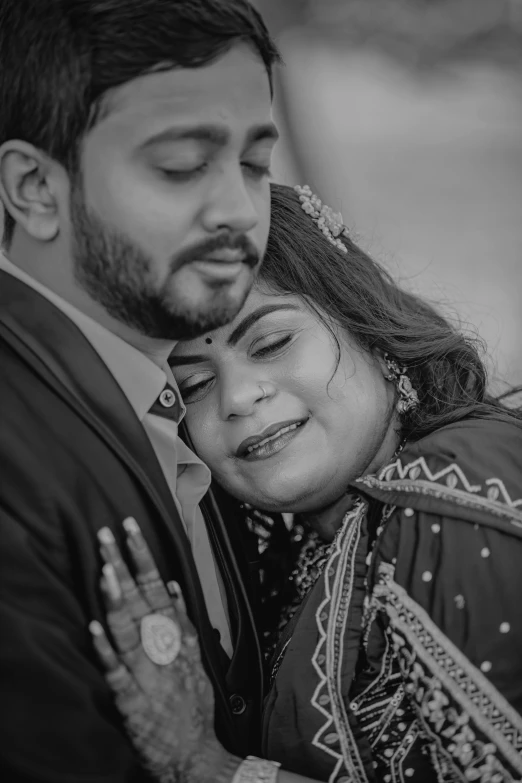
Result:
{"points": [[236, 83]]}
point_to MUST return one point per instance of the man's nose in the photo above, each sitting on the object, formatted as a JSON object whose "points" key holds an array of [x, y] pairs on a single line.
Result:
{"points": [[230, 205]]}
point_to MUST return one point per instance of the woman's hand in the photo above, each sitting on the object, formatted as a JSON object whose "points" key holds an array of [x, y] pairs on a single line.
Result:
{"points": [[154, 668]]}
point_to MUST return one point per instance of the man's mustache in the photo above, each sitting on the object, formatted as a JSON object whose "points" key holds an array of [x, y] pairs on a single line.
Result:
{"points": [[207, 249]]}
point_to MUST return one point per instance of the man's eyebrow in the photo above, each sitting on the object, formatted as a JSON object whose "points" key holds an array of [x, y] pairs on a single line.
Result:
{"points": [[248, 322], [210, 134], [266, 132], [214, 135]]}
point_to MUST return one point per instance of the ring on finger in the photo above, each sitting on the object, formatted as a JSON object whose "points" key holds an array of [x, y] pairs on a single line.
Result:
{"points": [[161, 638], [118, 677]]}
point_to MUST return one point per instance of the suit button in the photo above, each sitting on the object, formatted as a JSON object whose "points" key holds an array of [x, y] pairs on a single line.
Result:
{"points": [[237, 704]]}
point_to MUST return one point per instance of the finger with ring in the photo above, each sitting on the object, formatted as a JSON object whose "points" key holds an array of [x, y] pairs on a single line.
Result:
{"points": [[103, 647], [161, 638], [119, 618], [147, 573], [111, 586], [189, 632], [112, 556], [117, 675]]}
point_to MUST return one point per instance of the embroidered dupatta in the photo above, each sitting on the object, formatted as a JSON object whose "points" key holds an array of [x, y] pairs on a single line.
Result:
{"points": [[405, 661]]}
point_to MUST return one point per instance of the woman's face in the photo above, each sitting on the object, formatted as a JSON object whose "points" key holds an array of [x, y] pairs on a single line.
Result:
{"points": [[321, 423]]}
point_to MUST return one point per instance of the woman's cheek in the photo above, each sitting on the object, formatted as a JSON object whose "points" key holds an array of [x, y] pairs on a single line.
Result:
{"points": [[209, 440], [195, 426]]}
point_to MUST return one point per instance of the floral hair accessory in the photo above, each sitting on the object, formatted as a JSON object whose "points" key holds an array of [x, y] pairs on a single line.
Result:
{"points": [[329, 222]]}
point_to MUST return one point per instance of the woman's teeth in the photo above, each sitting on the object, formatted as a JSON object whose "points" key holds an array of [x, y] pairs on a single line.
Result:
{"points": [[277, 434]]}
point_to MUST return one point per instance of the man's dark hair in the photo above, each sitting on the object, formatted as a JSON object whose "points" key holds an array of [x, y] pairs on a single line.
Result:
{"points": [[58, 59]]}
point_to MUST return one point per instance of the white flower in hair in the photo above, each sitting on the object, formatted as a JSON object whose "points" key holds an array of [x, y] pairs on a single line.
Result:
{"points": [[329, 222]]}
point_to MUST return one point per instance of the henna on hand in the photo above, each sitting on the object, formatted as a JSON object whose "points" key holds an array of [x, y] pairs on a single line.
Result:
{"points": [[153, 666]]}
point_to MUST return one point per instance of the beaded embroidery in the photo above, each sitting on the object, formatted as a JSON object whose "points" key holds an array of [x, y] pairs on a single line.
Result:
{"points": [[335, 736], [470, 724]]}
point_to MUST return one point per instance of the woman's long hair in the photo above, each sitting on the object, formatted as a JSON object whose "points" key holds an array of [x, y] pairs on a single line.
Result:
{"points": [[355, 292]]}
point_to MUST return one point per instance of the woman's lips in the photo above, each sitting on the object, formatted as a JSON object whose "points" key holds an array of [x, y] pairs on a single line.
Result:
{"points": [[270, 441]]}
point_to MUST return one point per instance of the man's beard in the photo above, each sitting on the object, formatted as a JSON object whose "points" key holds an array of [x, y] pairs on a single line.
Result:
{"points": [[119, 275]]}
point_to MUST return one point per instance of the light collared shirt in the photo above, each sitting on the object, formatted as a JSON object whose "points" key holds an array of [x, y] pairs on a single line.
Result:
{"points": [[187, 476]]}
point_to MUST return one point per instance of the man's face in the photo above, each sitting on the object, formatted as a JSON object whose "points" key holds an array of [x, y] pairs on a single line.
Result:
{"points": [[170, 217]]}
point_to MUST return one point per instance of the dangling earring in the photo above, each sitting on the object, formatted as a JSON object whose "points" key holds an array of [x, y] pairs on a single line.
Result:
{"points": [[408, 397]]}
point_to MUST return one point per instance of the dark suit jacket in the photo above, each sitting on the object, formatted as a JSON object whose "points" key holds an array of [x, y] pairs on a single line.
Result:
{"points": [[73, 458]]}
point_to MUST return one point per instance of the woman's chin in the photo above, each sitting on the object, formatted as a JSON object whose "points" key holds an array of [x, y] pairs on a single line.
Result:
{"points": [[281, 496], [281, 482], [300, 488]]}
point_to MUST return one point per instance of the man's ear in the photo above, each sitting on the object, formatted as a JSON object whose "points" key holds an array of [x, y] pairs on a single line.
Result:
{"points": [[28, 189]]}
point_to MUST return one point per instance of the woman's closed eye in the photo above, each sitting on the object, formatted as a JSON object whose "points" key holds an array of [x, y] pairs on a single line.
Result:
{"points": [[195, 387], [266, 347]]}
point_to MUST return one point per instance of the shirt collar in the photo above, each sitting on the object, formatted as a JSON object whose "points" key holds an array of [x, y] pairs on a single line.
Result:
{"points": [[139, 378]]}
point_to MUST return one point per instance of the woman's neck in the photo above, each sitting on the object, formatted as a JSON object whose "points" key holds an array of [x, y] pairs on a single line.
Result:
{"points": [[327, 521]]}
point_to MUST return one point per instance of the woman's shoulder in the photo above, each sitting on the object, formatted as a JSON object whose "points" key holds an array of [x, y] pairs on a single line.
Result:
{"points": [[480, 441], [471, 469], [444, 592]]}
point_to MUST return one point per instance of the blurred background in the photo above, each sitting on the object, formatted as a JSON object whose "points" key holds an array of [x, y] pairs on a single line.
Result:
{"points": [[407, 116]]}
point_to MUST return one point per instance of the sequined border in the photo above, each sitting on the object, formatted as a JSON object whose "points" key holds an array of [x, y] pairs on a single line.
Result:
{"points": [[467, 686], [335, 737]]}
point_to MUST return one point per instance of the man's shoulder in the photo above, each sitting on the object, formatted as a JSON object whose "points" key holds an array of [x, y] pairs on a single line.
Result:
{"points": [[48, 453], [25, 397]]}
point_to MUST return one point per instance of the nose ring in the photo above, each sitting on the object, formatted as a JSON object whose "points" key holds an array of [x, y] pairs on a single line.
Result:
{"points": [[265, 393]]}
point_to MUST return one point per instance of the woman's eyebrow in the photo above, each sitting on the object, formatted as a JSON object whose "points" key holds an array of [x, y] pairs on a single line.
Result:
{"points": [[248, 322], [176, 361], [239, 332]]}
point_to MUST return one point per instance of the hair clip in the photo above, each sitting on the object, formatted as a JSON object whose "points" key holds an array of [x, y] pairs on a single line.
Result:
{"points": [[329, 222]]}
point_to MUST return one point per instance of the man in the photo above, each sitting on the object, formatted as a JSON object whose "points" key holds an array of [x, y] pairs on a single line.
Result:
{"points": [[135, 144]]}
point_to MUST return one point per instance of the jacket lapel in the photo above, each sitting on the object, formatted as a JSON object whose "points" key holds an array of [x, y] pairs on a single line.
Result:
{"points": [[57, 350]]}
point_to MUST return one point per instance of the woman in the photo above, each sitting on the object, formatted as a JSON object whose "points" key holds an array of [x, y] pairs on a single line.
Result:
{"points": [[342, 399]]}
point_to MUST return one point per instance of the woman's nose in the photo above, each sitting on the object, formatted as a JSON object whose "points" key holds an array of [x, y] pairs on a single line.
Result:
{"points": [[242, 397]]}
